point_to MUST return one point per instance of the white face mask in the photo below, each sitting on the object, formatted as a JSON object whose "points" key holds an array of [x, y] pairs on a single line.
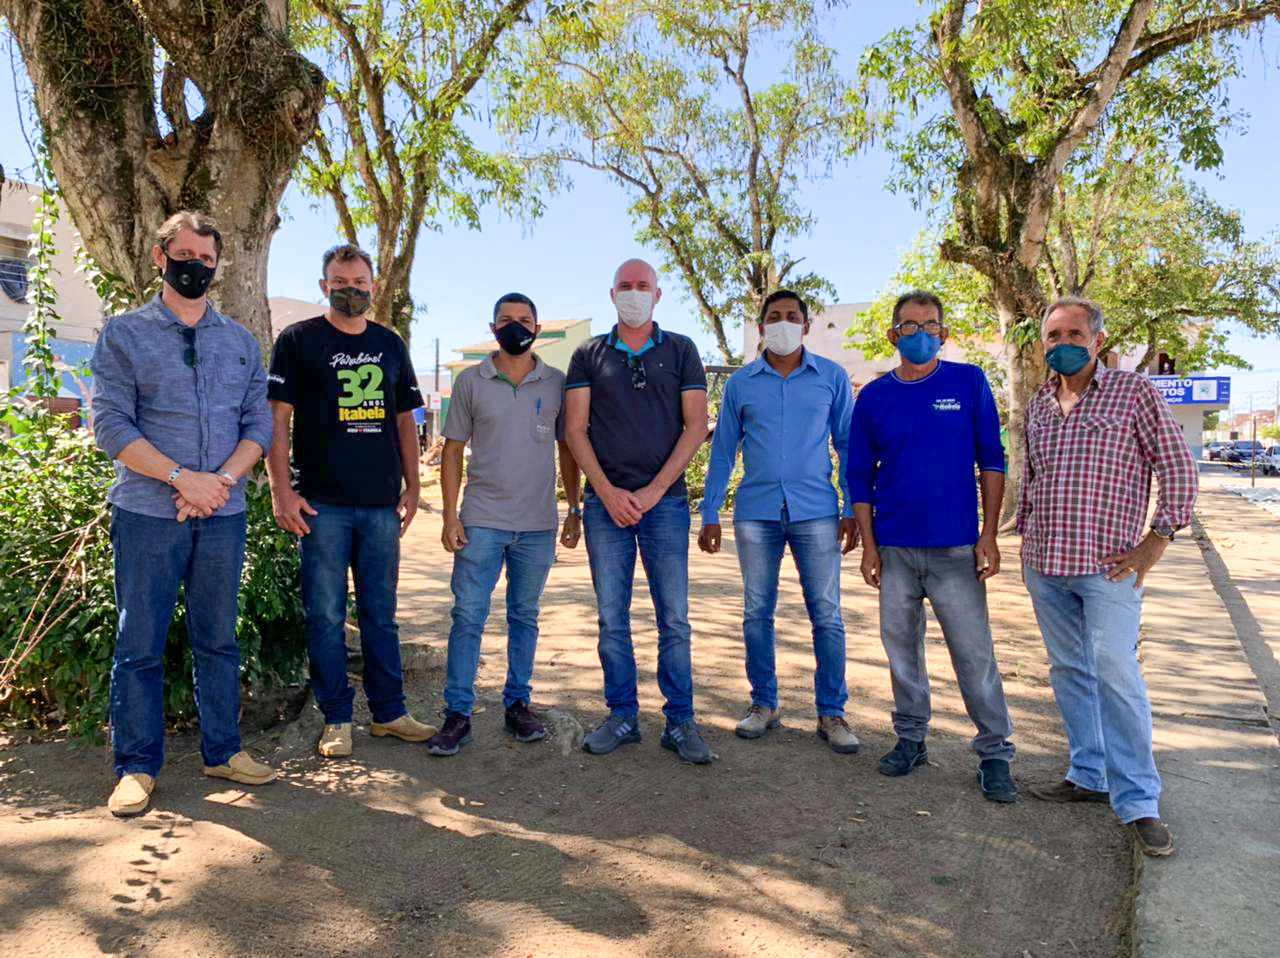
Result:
{"points": [[783, 339], [635, 306]]}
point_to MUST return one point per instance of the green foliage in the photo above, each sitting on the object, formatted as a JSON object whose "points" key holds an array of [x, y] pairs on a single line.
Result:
{"points": [[395, 151], [1270, 432], [663, 98], [57, 609]]}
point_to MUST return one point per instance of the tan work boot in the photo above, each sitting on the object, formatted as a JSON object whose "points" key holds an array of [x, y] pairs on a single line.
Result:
{"points": [[132, 794], [406, 728], [757, 721], [835, 731], [243, 769], [335, 741]]}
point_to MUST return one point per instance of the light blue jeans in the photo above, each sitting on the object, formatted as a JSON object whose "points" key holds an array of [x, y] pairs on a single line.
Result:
{"points": [[1090, 628], [662, 539], [528, 557], [815, 547]]}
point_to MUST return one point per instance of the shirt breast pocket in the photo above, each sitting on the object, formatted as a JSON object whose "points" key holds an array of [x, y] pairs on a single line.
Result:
{"points": [[232, 369], [543, 428]]}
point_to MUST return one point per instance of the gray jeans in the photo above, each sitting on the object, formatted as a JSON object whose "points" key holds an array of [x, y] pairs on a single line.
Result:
{"points": [[947, 578]]}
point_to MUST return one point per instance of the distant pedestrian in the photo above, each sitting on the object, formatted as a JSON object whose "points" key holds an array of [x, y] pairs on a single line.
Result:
{"points": [[1094, 436], [919, 436]]}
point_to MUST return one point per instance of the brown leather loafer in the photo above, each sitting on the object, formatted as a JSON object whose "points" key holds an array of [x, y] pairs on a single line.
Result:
{"points": [[1064, 792], [1153, 838]]}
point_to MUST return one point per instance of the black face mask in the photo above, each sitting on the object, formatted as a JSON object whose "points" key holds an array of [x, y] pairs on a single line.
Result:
{"points": [[514, 339], [350, 301], [189, 278]]}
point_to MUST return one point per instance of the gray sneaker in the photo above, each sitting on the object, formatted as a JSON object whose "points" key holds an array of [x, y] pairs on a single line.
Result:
{"points": [[687, 742], [614, 731], [757, 721]]}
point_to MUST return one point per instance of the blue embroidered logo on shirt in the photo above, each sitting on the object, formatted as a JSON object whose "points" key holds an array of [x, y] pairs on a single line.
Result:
{"points": [[946, 405]]}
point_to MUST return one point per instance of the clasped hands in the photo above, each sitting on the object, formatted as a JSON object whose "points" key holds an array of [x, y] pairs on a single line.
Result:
{"points": [[200, 494]]}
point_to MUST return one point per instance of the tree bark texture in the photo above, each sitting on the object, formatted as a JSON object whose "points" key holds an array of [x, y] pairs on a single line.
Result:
{"points": [[92, 67]]}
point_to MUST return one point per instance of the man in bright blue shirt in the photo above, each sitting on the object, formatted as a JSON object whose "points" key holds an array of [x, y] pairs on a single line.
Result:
{"points": [[918, 433], [785, 410]]}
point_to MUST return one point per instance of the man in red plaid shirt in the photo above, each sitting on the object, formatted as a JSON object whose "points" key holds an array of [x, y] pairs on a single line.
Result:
{"points": [[1094, 438]]}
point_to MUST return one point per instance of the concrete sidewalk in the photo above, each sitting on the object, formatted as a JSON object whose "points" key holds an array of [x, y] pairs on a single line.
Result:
{"points": [[1220, 760]]}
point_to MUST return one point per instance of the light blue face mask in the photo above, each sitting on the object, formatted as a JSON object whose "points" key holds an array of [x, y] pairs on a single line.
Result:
{"points": [[920, 347], [1067, 358]]}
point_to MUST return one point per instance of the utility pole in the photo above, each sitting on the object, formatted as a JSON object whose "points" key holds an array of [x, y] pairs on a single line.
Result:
{"points": [[438, 370]]}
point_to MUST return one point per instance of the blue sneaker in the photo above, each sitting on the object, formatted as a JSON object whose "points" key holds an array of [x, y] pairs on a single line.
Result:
{"points": [[996, 781], [686, 741], [614, 731]]}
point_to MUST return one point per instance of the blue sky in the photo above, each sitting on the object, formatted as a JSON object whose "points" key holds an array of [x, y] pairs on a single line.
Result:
{"points": [[565, 261]]}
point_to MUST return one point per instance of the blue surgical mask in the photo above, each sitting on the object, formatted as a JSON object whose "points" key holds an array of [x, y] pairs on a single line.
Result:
{"points": [[1067, 358], [920, 347]]}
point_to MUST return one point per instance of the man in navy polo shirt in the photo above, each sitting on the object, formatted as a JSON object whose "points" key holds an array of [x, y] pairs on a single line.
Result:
{"points": [[917, 435], [635, 414], [785, 410]]}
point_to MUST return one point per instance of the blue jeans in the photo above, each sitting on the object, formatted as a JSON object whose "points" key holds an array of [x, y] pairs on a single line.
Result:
{"points": [[528, 557], [815, 547], [948, 578], [662, 537], [152, 558], [1090, 628], [366, 540]]}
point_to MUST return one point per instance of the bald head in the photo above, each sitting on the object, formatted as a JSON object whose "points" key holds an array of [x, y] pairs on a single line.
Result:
{"points": [[635, 274]]}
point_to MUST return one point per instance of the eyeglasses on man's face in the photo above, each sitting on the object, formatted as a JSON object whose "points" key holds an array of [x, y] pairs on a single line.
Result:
{"points": [[189, 354], [910, 328]]}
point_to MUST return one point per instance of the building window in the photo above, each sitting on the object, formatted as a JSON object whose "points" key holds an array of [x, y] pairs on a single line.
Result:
{"points": [[14, 264]]}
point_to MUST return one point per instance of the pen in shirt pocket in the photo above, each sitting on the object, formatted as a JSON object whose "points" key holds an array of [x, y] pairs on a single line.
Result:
{"points": [[537, 406]]}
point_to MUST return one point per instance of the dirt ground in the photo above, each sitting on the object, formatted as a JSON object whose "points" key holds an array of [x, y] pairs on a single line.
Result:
{"points": [[780, 847]]}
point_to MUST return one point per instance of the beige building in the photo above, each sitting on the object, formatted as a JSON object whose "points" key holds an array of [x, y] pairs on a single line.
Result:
{"points": [[77, 304], [554, 345]]}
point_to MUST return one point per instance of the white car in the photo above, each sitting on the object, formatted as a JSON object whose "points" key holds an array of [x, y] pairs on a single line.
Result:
{"points": [[1269, 461]]}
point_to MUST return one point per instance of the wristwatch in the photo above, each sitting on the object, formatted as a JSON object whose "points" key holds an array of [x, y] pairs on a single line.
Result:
{"points": [[575, 511], [173, 476], [227, 476], [1165, 532]]}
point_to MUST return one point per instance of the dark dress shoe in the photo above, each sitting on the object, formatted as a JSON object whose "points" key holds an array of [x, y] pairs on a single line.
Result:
{"points": [[1064, 792]]}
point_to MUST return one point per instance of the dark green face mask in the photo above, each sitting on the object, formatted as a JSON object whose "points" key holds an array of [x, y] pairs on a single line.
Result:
{"points": [[349, 301]]}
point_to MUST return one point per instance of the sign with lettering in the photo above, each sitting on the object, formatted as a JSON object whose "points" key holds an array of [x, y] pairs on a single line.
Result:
{"points": [[1194, 390]]}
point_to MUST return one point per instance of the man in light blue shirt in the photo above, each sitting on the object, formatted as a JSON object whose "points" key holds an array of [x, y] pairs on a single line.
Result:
{"points": [[785, 410], [180, 404]]}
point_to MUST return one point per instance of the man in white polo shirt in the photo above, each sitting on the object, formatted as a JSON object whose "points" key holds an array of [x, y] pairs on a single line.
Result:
{"points": [[508, 408]]}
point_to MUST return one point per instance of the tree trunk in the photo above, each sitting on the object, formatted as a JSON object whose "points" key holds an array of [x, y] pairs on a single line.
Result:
{"points": [[91, 64], [1019, 302]]}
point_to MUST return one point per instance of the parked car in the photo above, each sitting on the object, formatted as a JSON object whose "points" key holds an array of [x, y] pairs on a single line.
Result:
{"points": [[1270, 461], [1215, 449], [1243, 450]]}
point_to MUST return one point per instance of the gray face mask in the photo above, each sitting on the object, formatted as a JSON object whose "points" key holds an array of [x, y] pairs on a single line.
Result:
{"points": [[350, 301]]}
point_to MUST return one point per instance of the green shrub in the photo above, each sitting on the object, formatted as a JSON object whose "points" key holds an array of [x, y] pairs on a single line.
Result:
{"points": [[57, 609], [57, 596]]}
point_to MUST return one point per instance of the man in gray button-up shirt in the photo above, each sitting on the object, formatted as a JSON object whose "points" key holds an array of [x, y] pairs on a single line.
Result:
{"points": [[180, 404]]}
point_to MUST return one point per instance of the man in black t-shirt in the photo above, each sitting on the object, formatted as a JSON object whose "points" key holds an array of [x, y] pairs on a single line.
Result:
{"points": [[349, 385]]}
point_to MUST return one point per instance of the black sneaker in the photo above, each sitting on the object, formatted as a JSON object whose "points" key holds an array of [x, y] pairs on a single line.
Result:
{"points": [[1153, 837], [523, 724], [996, 781], [906, 755], [450, 739]]}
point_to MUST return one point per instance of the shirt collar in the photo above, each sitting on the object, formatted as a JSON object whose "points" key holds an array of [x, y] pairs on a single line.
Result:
{"points": [[1099, 380], [762, 365], [168, 317], [490, 371], [655, 338]]}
